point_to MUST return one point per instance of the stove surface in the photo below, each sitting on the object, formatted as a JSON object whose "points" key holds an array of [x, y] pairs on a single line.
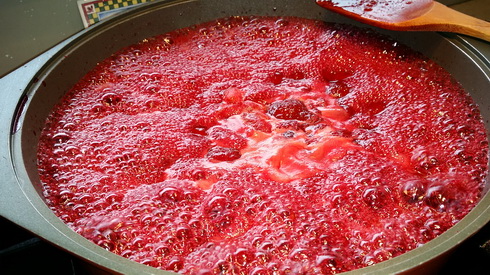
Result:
{"points": [[23, 253]]}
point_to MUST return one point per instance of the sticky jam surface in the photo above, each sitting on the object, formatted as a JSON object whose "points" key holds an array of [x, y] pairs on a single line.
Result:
{"points": [[263, 145]]}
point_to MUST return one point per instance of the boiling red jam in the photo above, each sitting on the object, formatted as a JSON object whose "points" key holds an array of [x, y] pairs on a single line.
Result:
{"points": [[263, 145]]}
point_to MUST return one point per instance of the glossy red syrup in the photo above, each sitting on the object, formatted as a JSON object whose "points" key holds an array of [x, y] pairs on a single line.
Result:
{"points": [[391, 11], [263, 145]]}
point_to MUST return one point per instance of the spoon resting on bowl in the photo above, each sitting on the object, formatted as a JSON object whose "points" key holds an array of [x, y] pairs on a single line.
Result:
{"points": [[410, 15]]}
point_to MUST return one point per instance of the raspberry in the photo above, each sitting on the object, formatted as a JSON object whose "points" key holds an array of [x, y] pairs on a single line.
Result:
{"points": [[227, 138], [289, 109], [219, 153]]}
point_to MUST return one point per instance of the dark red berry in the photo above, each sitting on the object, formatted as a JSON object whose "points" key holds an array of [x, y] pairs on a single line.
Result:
{"points": [[289, 109], [227, 138], [219, 153]]}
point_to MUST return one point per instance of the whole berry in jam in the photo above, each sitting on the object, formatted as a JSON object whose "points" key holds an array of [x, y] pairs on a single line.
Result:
{"points": [[289, 109]]}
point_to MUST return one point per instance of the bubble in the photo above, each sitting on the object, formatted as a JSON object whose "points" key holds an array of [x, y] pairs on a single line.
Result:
{"points": [[80, 208], [72, 150], [264, 29], [185, 215], [382, 254], [196, 224], [266, 246], [191, 196], [375, 197], [106, 244], [175, 264], [150, 262], [217, 203], [170, 241], [85, 198], [424, 161], [434, 225], [204, 31], [69, 126], [66, 194], [113, 197], [111, 99], [183, 233], [61, 137], [413, 190], [242, 257], [281, 22], [138, 242], [326, 262], [436, 197], [127, 253], [171, 194], [300, 254], [284, 246], [223, 267], [462, 155], [147, 219], [150, 76]]}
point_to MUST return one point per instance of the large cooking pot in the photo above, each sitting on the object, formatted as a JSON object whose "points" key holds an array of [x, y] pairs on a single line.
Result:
{"points": [[28, 94]]}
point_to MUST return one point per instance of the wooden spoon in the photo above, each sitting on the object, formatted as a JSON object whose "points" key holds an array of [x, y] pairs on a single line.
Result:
{"points": [[410, 15]]}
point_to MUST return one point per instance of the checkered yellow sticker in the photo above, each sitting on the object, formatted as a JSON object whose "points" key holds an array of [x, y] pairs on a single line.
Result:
{"points": [[97, 10]]}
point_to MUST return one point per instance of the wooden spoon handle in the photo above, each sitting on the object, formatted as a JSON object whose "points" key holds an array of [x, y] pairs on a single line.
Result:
{"points": [[442, 18]]}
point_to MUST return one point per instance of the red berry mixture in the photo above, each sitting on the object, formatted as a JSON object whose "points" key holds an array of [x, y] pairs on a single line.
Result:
{"points": [[263, 145]]}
